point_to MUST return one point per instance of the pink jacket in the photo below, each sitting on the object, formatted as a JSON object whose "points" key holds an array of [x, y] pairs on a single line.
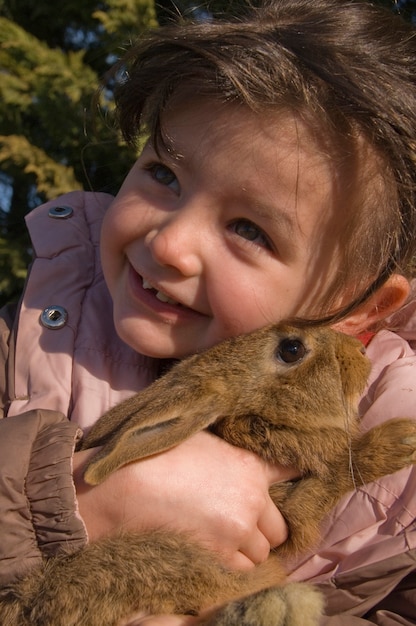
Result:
{"points": [[81, 368]]}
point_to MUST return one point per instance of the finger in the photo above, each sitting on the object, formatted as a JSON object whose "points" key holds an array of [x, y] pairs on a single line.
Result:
{"points": [[257, 549], [272, 525], [271, 532], [237, 562]]}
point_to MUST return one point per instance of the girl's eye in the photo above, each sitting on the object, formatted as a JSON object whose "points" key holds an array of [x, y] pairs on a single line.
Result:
{"points": [[251, 232], [163, 175]]}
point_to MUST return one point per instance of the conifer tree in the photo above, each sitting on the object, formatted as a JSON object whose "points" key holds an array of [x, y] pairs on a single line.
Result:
{"points": [[52, 56]]}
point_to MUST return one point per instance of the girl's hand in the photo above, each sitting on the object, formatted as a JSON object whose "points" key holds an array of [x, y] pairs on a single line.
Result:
{"points": [[216, 492]]}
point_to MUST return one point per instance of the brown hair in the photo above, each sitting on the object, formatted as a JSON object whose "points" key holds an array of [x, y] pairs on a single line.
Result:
{"points": [[347, 68]]}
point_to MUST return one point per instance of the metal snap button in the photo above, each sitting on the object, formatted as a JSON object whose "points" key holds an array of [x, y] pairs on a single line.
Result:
{"points": [[54, 317], [61, 212]]}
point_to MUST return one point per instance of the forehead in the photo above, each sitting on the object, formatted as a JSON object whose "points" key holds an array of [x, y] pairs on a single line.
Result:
{"points": [[267, 141]]}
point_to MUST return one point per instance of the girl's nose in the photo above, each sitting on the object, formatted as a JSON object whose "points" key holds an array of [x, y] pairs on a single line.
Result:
{"points": [[178, 243]]}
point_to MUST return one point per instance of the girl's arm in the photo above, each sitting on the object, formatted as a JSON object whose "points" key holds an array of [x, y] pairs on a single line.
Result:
{"points": [[214, 491], [38, 512]]}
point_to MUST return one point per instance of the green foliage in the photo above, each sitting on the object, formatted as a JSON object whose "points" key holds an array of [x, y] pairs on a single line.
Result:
{"points": [[51, 177], [13, 263], [53, 137], [123, 16]]}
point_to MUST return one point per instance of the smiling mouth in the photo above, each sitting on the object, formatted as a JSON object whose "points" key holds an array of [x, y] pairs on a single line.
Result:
{"points": [[159, 294]]}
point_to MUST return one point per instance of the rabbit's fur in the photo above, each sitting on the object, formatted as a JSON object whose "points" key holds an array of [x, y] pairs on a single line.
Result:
{"points": [[287, 393]]}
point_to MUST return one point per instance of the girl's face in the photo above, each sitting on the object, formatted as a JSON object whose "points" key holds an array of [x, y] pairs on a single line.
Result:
{"points": [[230, 228]]}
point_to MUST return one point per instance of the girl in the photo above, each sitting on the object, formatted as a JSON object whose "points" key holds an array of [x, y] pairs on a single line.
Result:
{"points": [[277, 180]]}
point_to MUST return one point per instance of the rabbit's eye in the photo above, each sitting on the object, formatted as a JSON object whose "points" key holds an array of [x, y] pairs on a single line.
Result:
{"points": [[291, 350]]}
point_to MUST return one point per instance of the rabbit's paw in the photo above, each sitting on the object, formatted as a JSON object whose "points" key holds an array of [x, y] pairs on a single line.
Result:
{"points": [[405, 431], [294, 604], [385, 449]]}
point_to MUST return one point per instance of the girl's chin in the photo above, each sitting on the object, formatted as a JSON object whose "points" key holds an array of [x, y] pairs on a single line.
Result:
{"points": [[155, 342]]}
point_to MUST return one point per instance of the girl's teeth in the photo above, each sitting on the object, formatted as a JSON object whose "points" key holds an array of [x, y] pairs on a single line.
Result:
{"points": [[164, 298], [159, 295]]}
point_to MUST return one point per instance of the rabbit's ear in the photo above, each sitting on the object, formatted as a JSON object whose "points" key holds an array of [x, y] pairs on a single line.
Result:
{"points": [[136, 441]]}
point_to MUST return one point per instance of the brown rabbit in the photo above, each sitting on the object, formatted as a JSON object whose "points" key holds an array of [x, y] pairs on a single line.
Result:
{"points": [[287, 393]]}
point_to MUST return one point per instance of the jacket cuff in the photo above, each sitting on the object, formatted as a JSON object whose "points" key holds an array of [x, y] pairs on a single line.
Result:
{"points": [[38, 508]]}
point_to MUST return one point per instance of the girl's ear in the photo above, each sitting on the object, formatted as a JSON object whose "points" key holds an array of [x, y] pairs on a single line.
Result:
{"points": [[383, 303]]}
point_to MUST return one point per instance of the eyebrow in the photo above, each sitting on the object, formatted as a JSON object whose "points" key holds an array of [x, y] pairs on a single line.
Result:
{"points": [[284, 228], [276, 216]]}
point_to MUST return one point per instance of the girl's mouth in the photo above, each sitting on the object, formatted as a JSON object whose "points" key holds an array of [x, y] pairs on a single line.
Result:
{"points": [[158, 300], [159, 294]]}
